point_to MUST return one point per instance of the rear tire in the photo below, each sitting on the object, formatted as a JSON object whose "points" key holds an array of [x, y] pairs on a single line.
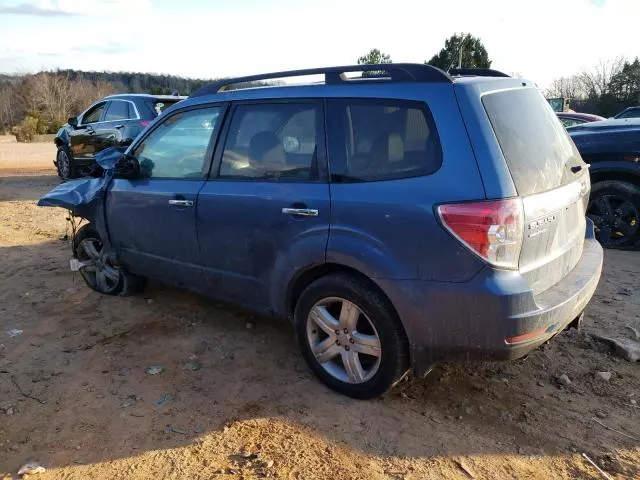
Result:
{"points": [[103, 275], [350, 336], [614, 207], [64, 163]]}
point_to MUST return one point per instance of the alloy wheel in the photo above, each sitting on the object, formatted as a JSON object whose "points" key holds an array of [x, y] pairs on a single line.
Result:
{"points": [[616, 219], [98, 269], [343, 340]]}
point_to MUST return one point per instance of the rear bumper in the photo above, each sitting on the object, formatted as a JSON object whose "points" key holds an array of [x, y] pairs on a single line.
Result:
{"points": [[473, 320]]}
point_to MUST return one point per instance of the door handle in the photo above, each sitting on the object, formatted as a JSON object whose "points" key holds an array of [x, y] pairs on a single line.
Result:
{"points": [[119, 126], [301, 212], [181, 203]]}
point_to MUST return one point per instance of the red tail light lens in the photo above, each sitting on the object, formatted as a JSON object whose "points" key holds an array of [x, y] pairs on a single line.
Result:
{"points": [[493, 230]]}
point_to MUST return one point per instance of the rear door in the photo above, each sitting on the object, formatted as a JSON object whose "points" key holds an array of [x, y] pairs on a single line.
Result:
{"points": [[115, 129], [265, 212], [82, 138], [152, 219], [549, 175]]}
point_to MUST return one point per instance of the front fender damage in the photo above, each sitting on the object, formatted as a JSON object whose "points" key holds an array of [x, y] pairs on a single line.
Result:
{"points": [[82, 196]]}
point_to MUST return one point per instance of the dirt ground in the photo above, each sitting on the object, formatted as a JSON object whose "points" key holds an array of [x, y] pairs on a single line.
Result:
{"points": [[235, 400]]}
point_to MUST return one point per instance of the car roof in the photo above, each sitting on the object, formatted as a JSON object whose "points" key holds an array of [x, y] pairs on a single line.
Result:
{"points": [[132, 96], [397, 77], [616, 124], [578, 115]]}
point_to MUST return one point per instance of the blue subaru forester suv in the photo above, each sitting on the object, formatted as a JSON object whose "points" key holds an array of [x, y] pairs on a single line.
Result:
{"points": [[400, 217]]}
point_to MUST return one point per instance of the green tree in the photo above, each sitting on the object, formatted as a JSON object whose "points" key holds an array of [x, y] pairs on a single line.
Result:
{"points": [[474, 55], [374, 57], [625, 85]]}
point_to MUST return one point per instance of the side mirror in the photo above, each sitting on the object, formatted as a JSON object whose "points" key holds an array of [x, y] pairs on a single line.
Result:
{"points": [[127, 167], [73, 121]]}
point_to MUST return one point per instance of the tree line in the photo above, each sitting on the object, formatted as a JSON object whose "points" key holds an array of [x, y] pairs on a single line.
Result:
{"points": [[40, 103], [605, 89], [461, 49]]}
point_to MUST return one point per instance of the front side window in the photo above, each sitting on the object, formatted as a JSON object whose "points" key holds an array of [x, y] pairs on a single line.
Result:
{"points": [[374, 140], [94, 114], [177, 148], [272, 141], [117, 110]]}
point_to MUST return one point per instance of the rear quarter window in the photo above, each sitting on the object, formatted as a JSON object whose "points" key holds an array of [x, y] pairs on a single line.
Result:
{"points": [[535, 145], [379, 139], [161, 106]]}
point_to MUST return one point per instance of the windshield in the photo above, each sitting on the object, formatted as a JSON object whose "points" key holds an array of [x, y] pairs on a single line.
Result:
{"points": [[537, 148]]}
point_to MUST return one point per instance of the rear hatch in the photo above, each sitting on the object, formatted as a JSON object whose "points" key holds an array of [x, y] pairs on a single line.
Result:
{"points": [[550, 177]]}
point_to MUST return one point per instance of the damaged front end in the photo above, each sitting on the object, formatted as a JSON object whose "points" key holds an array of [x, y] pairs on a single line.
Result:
{"points": [[85, 198], [82, 197]]}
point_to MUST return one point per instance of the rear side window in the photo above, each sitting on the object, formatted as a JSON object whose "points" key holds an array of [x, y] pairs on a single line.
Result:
{"points": [[272, 142], [117, 110], [373, 140], [538, 150], [133, 114], [160, 107]]}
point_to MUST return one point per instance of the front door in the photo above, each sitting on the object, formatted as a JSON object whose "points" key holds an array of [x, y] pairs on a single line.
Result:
{"points": [[265, 212], [152, 220], [82, 138]]}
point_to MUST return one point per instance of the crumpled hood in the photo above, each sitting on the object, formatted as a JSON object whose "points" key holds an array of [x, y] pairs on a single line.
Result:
{"points": [[83, 191]]}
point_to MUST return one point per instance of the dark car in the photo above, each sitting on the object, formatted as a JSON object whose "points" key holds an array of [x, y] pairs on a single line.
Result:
{"points": [[612, 148], [399, 220], [631, 112], [571, 119], [113, 121]]}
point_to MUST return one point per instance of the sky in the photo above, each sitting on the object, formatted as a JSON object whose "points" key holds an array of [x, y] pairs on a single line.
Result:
{"points": [[537, 39]]}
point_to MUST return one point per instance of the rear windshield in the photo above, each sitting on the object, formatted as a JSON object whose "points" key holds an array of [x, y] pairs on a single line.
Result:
{"points": [[161, 106], [537, 148]]}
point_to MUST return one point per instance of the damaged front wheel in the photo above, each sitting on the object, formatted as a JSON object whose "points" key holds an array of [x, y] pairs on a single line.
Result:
{"points": [[97, 267]]}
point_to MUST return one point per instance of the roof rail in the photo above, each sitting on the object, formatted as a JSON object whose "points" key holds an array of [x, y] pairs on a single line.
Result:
{"points": [[394, 72], [476, 72]]}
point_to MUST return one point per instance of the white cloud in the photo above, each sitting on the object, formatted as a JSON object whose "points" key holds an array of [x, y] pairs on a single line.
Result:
{"points": [[53, 8], [541, 39]]}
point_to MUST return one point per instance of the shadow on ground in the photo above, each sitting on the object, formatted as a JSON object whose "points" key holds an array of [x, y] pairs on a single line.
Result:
{"points": [[76, 384], [25, 187]]}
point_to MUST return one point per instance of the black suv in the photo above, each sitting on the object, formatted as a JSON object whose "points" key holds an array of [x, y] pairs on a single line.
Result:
{"points": [[113, 121], [612, 150]]}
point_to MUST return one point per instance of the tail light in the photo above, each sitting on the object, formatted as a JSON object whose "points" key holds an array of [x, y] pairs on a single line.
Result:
{"points": [[144, 123], [494, 230]]}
